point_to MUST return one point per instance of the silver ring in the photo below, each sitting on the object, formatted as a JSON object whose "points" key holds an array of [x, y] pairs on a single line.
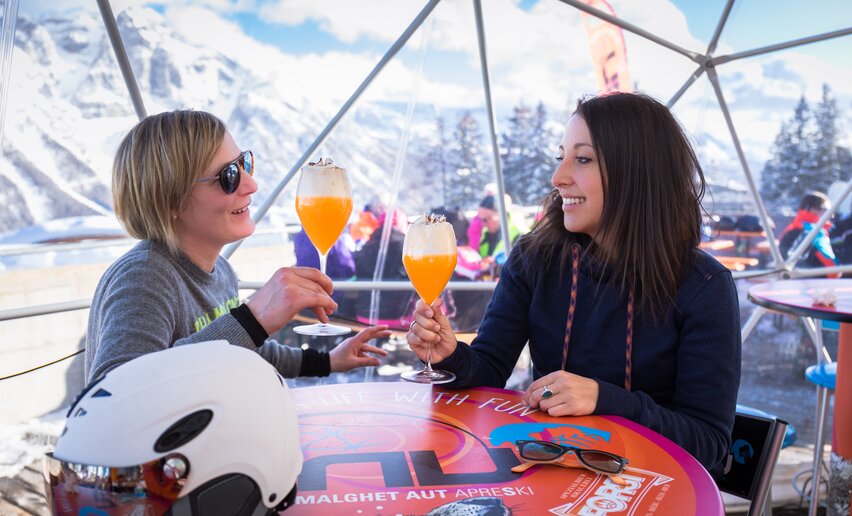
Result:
{"points": [[411, 326], [546, 392]]}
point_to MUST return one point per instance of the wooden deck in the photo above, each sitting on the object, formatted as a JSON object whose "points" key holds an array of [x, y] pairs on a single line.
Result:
{"points": [[24, 493], [737, 263]]}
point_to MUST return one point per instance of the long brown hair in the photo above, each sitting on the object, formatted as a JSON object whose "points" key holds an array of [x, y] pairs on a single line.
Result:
{"points": [[653, 186]]}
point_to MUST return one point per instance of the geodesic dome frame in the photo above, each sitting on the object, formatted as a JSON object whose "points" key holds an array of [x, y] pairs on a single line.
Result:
{"points": [[706, 62]]}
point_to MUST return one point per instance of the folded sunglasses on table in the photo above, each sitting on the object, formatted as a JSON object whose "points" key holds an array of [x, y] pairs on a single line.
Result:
{"points": [[546, 452]]}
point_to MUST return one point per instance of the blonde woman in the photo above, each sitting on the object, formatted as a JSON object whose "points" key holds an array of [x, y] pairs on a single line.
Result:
{"points": [[183, 187]]}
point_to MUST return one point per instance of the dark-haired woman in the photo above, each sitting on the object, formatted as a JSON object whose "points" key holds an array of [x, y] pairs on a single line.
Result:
{"points": [[623, 314]]}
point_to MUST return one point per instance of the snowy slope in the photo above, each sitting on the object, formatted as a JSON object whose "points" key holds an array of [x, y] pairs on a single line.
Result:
{"points": [[68, 109]]}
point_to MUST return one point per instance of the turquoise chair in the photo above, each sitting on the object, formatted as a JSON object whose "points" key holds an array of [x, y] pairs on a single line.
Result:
{"points": [[824, 376]]}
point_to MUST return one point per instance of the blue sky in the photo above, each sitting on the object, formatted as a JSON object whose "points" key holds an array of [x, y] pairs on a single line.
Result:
{"points": [[303, 38], [753, 23], [540, 54], [779, 20]]}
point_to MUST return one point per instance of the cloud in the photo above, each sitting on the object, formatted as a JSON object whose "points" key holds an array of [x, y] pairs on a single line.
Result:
{"points": [[298, 76], [661, 18], [39, 8], [348, 21], [778, 69], [537, 54], [206, 27]]}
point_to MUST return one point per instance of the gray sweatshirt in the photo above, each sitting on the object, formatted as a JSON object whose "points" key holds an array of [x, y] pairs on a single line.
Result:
{"points": [[150, 300]]}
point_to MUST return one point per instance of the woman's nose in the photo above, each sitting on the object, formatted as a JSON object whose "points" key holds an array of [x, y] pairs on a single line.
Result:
{"points": [[248, 185], [561, 176]]}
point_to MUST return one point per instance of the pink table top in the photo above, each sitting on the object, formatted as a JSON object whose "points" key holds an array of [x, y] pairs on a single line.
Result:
{"points": [[796, 297], [401, 448]]}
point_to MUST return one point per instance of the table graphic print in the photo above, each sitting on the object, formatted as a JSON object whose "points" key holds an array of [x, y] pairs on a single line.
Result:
{"points": [[399, 448]]}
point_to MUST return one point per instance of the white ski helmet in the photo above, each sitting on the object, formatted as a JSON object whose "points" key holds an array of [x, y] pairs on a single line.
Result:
{"points": [[206, 428]]}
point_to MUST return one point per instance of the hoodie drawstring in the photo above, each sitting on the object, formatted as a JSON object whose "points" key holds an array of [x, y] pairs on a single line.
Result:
{"points": [[572, 306]]}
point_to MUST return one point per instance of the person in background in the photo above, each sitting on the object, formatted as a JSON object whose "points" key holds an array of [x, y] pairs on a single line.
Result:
{"points": [[841, 233], [340, 264], [464, 308], [623, 313], [474, 229], [491, 245], [183, 187], [368, 221], [841, 240], [394, 308], [820, 254], [457, 219]]}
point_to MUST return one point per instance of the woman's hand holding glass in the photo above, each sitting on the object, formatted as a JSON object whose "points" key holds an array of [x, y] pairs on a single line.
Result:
{"points": [[429, 256], [431, 330], [569, 394], [289, 291]]}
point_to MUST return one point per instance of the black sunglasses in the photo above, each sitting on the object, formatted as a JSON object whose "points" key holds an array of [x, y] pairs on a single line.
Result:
{"points": [[229, 177], [595, 460]]}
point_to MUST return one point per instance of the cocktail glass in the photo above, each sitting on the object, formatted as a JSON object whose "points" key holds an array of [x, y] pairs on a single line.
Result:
{"points": [[323, 203], [429, 257]]}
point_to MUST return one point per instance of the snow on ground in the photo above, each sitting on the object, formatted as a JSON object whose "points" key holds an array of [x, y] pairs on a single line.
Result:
{"points": [[22, 443]]}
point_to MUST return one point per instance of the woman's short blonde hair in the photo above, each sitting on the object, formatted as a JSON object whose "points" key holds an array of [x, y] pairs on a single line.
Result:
{"points": [[155, 167]]}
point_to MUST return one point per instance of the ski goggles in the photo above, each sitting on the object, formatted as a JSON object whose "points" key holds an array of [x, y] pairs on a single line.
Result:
{"points": [[229, 177], [151, 488], [546, 452]]}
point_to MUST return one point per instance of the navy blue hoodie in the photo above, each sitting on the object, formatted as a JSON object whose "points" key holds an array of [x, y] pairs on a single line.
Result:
{"points": [[686, 367]]}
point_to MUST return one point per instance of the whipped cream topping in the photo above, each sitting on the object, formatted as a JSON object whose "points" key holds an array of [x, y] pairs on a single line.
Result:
{"points": [[324, 179], [430, 218], [323, 162], [430, 235]]}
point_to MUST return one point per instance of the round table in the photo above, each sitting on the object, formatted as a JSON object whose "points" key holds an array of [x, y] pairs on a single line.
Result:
{"points": [[403, 448], [796, 297]]}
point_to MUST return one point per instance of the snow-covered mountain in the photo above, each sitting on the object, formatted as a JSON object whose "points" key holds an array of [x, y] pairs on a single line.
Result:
{"points": [[68, 108]]}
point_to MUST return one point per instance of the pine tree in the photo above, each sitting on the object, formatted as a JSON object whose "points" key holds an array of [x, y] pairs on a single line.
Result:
{"points": [[806, 155], [527, 163], [543, 143], [514, 152], [434, 169], [467, 177], [771, 187], [829, 155], [789, 173]]}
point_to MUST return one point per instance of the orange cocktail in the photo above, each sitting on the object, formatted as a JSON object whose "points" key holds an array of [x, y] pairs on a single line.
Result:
{"points": [[323, 219], [323, 203], [429, 273], [429, 256]]}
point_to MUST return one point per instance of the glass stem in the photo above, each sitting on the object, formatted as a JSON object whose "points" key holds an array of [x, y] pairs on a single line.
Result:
{"points": [[323, 257], [429, 360]]}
